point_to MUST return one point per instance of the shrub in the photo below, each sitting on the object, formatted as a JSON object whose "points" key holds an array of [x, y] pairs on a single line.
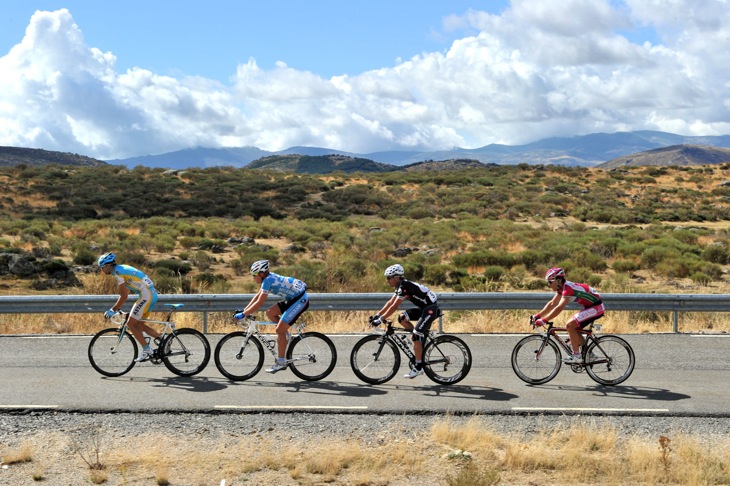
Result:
{"points": [[625, 266], [700, 278], [84, 256], [172, 267]]}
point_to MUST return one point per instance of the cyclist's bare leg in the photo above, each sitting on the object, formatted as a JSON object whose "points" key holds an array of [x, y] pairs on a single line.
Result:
{"points": [[136, 327], [576, 340], [417, 344], [281, 329]]}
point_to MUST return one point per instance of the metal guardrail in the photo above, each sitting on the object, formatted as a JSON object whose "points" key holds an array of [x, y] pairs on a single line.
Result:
{"points": [[675, 303]]}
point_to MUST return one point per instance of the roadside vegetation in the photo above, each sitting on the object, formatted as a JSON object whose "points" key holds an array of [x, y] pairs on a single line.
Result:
{"points": [[497, 228], [463, 453]]}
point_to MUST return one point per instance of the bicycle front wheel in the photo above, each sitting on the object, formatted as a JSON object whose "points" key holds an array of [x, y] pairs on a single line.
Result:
{"points": [[238, 359], [375, 359], [185, 352], [446, 360], [535, 362], [609, 360], [112, 354], [311, 356]]}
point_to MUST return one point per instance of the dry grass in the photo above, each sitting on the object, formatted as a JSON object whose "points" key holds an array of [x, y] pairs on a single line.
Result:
{"points": [[490, 322], [457, 455]]}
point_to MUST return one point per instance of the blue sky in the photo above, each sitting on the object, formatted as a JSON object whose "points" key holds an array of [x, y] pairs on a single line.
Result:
{"points": [[209, 39], [119, 79]]}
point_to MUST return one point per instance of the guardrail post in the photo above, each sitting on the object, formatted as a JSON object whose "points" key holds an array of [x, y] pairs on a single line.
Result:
{"points": [[675, 320], [205, 321]]}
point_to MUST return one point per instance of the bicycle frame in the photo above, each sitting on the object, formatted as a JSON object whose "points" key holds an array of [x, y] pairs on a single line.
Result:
{"points": [[252, 330], [400, 336], [121, 319], [551, 332]]}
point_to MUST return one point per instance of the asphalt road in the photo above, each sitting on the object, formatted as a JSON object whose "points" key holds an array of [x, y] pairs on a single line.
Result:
{"points": [[674, 375]]}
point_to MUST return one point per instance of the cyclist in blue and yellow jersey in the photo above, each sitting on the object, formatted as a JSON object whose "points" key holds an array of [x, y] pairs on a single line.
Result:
{"points": [[566, 291], [131, 279], [425, 312], [284, 313]]}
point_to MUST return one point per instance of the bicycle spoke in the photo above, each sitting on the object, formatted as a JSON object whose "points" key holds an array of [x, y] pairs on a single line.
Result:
{"points": [[609, 360], [535, 362], [311, 356], [375, 359]]}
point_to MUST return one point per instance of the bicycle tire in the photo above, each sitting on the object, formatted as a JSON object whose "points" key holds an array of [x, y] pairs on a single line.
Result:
{"points": [[614, 360], [531, 369], [109, 358], [185, 352], [311, 356], [446, 359], [375, 359], [236, 362]]}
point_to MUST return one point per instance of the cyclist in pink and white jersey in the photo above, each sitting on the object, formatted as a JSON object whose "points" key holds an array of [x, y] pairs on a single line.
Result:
{"points": [[565, 292]]}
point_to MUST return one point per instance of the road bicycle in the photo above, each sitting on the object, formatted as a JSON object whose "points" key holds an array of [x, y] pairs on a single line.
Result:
{"points": [[608, 359], [239, 355], [375, 358], [184, 351]]}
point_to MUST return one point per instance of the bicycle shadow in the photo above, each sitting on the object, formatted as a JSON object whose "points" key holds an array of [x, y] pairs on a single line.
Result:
{"points": [[319, 388], [620, 391], [197, 384]]}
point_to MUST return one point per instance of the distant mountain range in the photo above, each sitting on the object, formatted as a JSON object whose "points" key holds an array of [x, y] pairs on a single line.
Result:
{"points": [[605, 150], [586, 150]]}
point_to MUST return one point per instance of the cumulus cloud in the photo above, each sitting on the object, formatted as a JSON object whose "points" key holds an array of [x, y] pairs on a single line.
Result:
{"points": [[540, 68]]}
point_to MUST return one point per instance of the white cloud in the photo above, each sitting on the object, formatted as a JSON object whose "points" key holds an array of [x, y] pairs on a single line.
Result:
{"points": [[541, 68]]}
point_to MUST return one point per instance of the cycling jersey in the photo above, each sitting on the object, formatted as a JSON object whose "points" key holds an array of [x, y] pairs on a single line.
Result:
{"points": [[418, 294], [139, 283], [581, 294], [134, 279], [287, 287]]}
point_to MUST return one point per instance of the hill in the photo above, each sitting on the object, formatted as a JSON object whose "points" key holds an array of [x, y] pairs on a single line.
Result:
{"points": [[585, 150], [318, 164], [677, 155], [14, 156]]}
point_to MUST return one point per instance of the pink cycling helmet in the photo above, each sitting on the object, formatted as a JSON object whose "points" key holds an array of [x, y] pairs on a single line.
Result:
{"points": [[553, 273]]}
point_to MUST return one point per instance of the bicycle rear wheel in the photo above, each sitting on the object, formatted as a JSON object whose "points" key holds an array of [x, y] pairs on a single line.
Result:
{"points": [[534, 364], [185, 352], [375, 359], [111, 354], [609, 360], [311, 356], [237, 361], [446, 359]]}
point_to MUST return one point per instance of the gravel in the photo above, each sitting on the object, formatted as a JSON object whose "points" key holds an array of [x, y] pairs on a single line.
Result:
{"points": [[14, 427]]}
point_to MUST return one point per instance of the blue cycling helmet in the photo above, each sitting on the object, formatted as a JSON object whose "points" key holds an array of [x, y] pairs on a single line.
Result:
{"points": [[107, 258]]}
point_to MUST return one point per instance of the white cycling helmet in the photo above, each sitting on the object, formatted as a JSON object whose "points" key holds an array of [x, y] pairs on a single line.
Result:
{"points": [[553, 273], [394, 271], [260, 266]]}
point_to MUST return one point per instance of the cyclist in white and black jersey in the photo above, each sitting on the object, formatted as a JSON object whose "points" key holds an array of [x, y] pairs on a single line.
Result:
{"points": [[425, 312], [284, 313]]}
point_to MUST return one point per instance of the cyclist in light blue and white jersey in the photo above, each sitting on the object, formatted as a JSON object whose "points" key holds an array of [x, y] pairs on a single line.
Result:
{"points": [[131, 279], [284, 313]]}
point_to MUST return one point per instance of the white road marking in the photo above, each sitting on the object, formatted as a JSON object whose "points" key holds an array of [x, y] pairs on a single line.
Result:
{"points": [[710, 335], [289, 407], [586, 409]]}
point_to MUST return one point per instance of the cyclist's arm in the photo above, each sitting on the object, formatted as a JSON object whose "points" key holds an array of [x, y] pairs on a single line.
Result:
{"points": [[256, 303], [390, 307], [123, 295], [555, 310]]}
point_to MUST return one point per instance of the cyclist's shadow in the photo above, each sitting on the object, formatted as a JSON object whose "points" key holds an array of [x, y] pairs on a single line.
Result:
{"points": [[322, 388], [469, 392], [621, 391], [187, 383]]}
